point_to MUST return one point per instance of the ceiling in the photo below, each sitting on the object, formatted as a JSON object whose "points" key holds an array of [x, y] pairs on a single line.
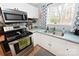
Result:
{"points": [[40, 4], [36, 4]]}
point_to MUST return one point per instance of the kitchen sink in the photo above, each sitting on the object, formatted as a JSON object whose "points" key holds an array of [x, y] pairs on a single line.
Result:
{"points": [[57, 33], [50, 32]]}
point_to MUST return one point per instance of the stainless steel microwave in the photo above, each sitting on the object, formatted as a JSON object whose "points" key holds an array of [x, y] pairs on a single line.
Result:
{"points": [[11, 15]]}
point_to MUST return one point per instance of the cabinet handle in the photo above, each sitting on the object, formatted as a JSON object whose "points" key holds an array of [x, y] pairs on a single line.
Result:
{"points": [[67, 49]]}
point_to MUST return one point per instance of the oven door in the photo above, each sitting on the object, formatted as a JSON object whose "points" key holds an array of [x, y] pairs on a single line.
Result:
{"points": [[19, 45]]}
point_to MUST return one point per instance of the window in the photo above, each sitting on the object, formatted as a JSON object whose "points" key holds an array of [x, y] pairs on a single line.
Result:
{"points": [[60, 13]]}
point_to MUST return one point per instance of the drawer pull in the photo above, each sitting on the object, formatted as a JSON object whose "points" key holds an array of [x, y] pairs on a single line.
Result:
{"points": [[67, 49]]}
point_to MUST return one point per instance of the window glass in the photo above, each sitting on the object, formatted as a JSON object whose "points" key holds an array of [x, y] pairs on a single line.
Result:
{"points": [[60, 13]]}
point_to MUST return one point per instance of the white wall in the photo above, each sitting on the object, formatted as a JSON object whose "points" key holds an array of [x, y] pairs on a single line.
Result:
{"points": [[31, 10]]}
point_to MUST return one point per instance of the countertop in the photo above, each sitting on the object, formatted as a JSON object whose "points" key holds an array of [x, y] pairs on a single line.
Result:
{"points": [[71, 37], [67, 36]]}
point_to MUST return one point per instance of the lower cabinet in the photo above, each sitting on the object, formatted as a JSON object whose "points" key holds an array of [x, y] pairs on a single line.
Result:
{"points": [[36, 38], [45, 42], [56, 45], [72, 49], [42, 40]]}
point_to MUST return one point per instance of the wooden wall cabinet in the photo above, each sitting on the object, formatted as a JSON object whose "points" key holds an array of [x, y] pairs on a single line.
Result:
{"points": [[1, 50], [2, 38]]}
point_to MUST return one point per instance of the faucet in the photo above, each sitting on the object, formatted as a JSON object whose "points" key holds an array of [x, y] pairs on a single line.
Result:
{"points": [[62, 33], [47, 28], [54, 30]]}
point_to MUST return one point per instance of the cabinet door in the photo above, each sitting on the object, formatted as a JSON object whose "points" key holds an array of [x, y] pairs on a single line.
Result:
{"points": [[42, 40], [45, 41], [72, 49], [35, 38], [58, 46], [64, 48]]}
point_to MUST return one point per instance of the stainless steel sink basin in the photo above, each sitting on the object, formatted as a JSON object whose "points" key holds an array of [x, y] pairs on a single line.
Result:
{"points": [[50, 32], [58, 33]]}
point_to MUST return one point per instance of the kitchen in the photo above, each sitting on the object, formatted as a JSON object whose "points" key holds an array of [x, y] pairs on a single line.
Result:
{"points": [[39, 29]]}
